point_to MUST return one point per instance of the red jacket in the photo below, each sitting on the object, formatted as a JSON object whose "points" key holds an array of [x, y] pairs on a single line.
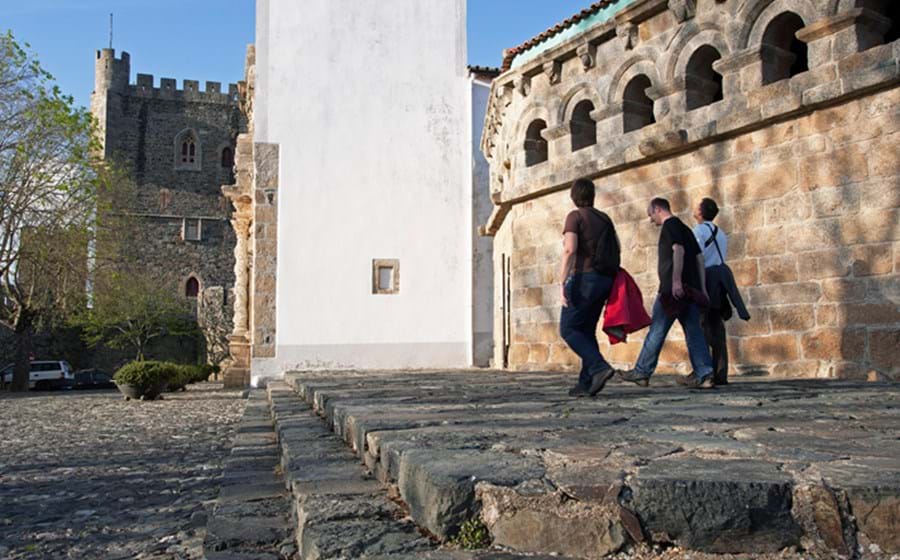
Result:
{"points": [[625, 311]]}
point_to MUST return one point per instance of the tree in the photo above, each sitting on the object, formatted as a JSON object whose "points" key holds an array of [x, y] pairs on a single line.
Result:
{"points": [[130, 310], [50, 176]]}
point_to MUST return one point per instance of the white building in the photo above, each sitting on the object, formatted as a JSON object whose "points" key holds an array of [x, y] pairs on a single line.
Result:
{"points": [[381, 185]]}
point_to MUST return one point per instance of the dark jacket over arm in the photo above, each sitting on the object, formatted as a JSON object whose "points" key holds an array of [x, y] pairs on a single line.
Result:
{"points": [[723, 292]]}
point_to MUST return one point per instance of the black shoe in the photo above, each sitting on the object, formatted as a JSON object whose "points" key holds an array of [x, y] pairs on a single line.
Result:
{"points": [[638, 379], [599, 379], [578, 391], [720, 379]]}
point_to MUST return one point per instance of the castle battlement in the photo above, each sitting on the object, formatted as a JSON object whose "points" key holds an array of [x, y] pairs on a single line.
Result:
{"points": [[190, 90]]}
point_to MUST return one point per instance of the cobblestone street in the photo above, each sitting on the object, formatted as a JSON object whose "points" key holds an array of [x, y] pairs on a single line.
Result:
{"points": [[89, 475]]}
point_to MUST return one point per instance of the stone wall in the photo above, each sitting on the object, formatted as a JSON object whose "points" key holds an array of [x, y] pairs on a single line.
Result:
{"points": [[141, 129], [806, 171]]}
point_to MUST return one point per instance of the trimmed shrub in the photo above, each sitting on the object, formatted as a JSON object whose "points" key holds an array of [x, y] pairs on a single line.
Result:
{"points": [[145, 374]]}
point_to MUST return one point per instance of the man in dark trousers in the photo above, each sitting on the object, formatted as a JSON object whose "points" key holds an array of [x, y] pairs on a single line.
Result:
{"points": [[590, 261], [682, 292], [720, 286]]}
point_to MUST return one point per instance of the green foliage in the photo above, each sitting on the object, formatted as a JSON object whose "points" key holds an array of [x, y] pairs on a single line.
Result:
{"points": [[147, 374], [472, 535], [51, 175], [131, 309]]}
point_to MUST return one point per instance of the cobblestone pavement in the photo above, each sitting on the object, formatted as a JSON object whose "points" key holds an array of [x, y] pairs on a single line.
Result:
{"points": [[89, 475]]}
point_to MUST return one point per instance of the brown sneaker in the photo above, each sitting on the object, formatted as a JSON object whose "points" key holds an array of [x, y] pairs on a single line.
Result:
{"points": [[634, 377], [691, 382]]}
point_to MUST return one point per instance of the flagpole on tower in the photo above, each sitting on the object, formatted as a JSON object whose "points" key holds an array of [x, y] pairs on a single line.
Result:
{"points": [[110, 30]]}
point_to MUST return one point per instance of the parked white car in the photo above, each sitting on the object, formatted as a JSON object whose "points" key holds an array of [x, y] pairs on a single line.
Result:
{"points": [[56, 374]]}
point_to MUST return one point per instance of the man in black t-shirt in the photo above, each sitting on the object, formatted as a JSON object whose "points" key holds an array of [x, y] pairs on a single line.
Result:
{"points": [[682, 289]]}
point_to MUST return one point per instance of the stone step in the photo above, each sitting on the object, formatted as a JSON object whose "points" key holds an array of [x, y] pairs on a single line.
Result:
{"points": [[754, 467], [250, 519], [340, 512]]}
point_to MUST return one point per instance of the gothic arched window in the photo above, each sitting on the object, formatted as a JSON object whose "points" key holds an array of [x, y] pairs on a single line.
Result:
{"points": [[192, 287], [187, 150]]}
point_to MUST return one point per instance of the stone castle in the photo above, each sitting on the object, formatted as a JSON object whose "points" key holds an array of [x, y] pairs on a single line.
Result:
{"points": [[178, 147], [784, 111]]}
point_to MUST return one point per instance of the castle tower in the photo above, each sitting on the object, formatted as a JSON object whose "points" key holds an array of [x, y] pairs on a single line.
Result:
{"points": [[177, 147], [111, 75]]}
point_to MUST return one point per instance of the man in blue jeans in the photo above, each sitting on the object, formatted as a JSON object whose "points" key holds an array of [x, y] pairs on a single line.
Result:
{"points": [[682, 291], [589, 264]]}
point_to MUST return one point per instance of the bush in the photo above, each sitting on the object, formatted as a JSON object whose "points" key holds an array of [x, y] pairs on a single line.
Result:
{"points": [[472, 535], [146, 374]]}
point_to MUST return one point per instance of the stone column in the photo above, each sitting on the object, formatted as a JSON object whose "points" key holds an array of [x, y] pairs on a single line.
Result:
{"points": [[241, 225], [238, 372]]}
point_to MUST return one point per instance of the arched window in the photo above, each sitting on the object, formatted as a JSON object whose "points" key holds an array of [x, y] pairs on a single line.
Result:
{"points": [[187, 150], [582, 126], [227, 158], [889, 9], [637, 105], [192, 287], [535, 145], [704, 85], [790, 53]]}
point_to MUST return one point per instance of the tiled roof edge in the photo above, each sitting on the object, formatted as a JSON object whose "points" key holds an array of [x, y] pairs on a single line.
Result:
{"points": [[510, 54]]}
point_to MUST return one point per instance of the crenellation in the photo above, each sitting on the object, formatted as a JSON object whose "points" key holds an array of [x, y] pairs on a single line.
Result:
{"points": [[144, 87]]}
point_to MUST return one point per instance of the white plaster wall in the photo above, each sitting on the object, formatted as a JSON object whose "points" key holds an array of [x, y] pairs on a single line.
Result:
{"points": [[482, 247], [369, 103]]}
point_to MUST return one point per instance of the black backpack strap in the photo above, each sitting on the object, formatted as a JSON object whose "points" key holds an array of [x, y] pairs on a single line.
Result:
{"points": [[714, 241]]}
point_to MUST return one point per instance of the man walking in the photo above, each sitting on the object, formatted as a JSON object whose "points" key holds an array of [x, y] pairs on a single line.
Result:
{"points": [[681, 292], [590, 262], [720, 286]]}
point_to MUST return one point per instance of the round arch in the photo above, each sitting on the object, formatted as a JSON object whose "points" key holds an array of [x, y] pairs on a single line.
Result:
{"points": [[631, 68], [756, 15]]}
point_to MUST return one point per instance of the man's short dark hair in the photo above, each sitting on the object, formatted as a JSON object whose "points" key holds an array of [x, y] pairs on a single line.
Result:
{"points": [[583, 193], [709, 209], [661, 203]]}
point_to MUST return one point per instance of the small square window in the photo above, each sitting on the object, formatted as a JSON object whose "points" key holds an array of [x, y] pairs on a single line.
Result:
{"points": [[191, 230], [385, 276]]}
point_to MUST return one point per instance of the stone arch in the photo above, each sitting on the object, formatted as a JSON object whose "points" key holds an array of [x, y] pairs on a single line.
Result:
{"points": [[188, 150], [535, 145], [790, 55], [703, 85], [637, 106], [584, 91], [529, 114], [631, 68], [754, 16], [582, 126], [686, 44]]}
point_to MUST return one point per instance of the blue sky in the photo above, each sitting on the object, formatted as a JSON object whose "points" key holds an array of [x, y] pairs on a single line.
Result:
{"points": [[205, 39]]}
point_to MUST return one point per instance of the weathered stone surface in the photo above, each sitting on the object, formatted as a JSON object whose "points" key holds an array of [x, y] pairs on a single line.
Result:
{"points": [[719, 471], [250, 518], [551, 523], [89, 475], [717, 506]]}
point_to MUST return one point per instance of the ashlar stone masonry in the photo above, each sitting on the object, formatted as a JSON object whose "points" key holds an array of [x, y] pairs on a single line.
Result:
{"points": [[785, 111]]}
